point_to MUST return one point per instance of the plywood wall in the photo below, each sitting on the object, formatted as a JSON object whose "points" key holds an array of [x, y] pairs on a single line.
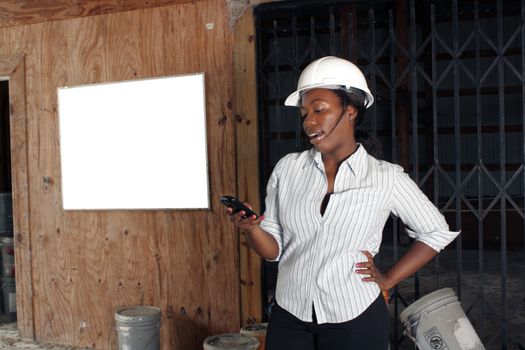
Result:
{"points": [[21, 12], [85, 264], [248, 183]]}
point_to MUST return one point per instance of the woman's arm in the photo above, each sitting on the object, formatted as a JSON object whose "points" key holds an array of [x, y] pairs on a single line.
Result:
{"points": [[417, 256], [262, 242], [429, 228]]}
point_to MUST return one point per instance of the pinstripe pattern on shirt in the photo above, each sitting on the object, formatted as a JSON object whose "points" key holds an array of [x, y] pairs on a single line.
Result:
{"points": [[317, 252]]}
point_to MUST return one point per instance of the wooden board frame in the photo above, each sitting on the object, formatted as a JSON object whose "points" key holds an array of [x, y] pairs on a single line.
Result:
{"points": [[13, 68], [246, 132]]}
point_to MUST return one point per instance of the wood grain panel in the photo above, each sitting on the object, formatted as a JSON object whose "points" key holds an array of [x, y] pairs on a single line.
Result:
{"points": [[247, 159], [85, 42], [55, 270], [85, 264], [24, 12], [122, 47]]}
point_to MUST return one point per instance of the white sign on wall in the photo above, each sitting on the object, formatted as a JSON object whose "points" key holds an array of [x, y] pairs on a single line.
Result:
{"points": [[134, 145]]}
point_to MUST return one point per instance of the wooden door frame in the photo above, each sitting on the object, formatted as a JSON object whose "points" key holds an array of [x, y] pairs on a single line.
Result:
{"points": [[247, 159], [12, 68], [247, 149]]}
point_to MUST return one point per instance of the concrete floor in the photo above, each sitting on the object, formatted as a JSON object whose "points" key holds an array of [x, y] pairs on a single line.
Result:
{"points": [[9, 339]]}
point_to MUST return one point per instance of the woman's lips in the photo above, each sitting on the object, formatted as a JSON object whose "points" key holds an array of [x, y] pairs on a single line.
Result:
{"points": [[316, 136]]}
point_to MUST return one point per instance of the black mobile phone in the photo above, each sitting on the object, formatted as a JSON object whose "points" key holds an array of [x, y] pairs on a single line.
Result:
{"points": [[237, 205]]}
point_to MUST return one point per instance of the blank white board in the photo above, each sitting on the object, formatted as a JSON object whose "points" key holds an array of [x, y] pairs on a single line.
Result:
{"points": [[134, 145]]}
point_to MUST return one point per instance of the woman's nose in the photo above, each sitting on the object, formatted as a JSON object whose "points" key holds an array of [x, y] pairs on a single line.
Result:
{"points": [[309, 120]]}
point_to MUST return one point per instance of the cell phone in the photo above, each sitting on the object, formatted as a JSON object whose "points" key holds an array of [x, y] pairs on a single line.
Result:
{"points": [[237, 205]]}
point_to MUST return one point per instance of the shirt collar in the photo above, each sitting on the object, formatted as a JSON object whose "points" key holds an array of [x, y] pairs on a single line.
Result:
{"points": [[356, 162]]}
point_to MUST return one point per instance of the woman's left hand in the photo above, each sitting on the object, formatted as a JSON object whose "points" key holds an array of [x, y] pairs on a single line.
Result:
{"points": [[369, 268]]}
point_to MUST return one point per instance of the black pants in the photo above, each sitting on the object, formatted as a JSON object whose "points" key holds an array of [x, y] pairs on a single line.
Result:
{"points": [[368, 331]]}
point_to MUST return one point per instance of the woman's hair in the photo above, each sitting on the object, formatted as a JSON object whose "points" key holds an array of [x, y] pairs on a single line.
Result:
{"points": [[356, 99]]}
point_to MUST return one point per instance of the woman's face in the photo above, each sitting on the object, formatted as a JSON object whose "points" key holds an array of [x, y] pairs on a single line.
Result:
{"points": [[328, 127]]}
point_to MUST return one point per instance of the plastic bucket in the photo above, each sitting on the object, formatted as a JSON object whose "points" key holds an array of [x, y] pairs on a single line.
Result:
{"points": [[138, 328], [7, 248], [230, 341], [437, 321], [6, 212], [9, 297], [256, 330]]}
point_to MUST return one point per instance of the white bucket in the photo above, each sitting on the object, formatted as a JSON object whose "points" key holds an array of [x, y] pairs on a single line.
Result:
{"points": [[437, 321], [138, 328], [230, 341], [9, 297], [7, 247], [256, 330]]}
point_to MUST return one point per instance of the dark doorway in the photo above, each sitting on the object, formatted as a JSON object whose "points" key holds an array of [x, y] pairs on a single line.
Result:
{"points": [[7, 276], [5, 148]]}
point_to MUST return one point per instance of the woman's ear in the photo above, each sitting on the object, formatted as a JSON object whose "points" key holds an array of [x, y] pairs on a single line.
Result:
{"points": [[352, 113]]}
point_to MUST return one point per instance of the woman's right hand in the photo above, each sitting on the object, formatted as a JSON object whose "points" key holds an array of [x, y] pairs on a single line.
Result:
{"points": [[246, 224], [262, 242]]}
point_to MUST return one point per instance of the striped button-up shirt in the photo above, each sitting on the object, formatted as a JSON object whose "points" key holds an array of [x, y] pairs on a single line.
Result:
{"points": [[317, 253]]}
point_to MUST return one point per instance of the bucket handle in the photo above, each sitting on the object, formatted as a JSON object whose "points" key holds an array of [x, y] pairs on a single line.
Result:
{"points": [[407, 333]]}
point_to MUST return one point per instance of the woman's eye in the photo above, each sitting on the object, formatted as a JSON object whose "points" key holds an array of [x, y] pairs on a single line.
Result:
{"points": [[314, 110]]}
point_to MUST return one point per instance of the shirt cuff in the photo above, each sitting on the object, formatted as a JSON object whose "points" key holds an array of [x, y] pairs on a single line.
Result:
{"points": [[436, 240], [273, 228]]}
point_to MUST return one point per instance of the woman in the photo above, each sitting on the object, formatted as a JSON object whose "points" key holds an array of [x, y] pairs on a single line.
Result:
{"points": [[325, 212]]}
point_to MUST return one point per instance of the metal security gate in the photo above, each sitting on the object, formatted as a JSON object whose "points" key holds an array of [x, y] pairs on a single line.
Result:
{"points": [[449, 81]]}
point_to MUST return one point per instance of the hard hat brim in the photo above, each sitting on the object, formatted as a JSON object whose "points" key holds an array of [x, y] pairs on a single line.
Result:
{"points": [[293, 100]]}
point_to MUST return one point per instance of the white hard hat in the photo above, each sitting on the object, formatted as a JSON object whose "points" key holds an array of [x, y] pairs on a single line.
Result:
{"points": [[330, 72]]}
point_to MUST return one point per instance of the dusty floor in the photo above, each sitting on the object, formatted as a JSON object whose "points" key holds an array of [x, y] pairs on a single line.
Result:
{"points": [[9, 339]]}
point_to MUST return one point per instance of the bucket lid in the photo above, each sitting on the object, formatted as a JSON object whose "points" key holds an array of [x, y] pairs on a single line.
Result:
{"points": [[137, 313], [423, 302], [230, 341], [255, 330]]}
